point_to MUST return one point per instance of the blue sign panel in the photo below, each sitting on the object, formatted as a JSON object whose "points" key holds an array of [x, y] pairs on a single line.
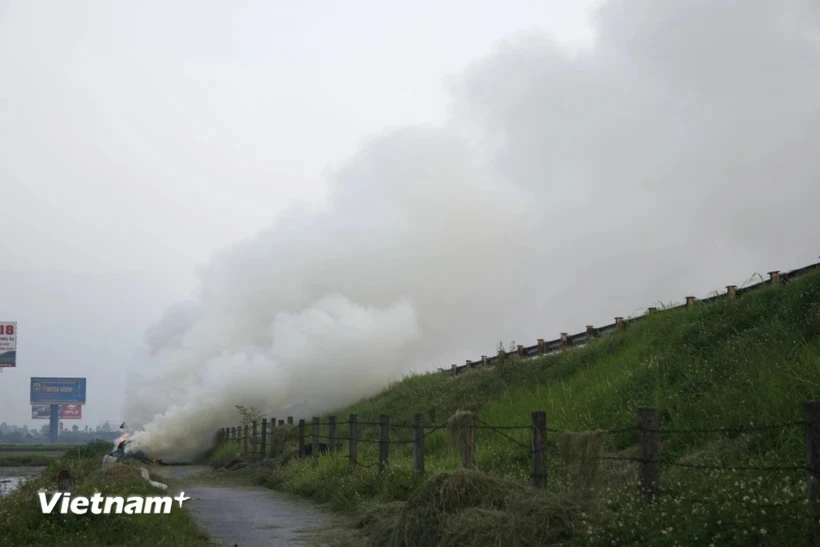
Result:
{"points": [[54, 391]]}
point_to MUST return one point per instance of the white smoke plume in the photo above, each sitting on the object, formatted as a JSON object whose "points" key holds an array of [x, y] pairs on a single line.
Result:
{"points": [[673, 157]]}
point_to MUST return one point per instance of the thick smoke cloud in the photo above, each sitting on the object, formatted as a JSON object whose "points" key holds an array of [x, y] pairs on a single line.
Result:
{"points": [[673, 157]]}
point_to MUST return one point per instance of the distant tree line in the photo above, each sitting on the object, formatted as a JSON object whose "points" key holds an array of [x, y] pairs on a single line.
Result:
{"points": [[14, 434]]}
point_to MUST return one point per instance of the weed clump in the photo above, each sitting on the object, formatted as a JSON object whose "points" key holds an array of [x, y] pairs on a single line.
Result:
{"points": [[580, 452], [471, 508]]}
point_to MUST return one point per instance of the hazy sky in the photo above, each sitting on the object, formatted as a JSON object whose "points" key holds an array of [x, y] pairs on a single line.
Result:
{"points": [[138, 138], [217, 203]]}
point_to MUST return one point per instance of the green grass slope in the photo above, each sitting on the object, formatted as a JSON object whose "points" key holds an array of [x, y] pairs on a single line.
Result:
{"points": [[732, 363]]}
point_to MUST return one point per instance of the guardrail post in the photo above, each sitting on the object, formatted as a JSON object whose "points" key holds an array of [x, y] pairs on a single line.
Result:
{"points": [[484, 361], [649, 448], [384, 441], [592, 332], [353, 426], [418, 442], [731, 291], [264, 449], [454, 369], [539, 449], [542, 346], [564, 341], [469, 364], [619, 324], [520, 350], [301, 438], [331, 433], [314, 441], [811, 415], [690, 302], [774, 277]]}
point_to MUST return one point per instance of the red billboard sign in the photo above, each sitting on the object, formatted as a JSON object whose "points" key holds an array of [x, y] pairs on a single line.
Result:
{"points": [[72, 412]]}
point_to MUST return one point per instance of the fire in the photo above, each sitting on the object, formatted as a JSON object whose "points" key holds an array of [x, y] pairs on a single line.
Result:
{"points": [[121, 439]]}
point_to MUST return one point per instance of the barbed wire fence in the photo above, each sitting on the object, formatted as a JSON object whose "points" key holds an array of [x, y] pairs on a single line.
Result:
{"points": [[267, 439]]}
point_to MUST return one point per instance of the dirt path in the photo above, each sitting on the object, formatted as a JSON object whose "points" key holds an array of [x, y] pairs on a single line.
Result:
{"points": [[247, 516]]}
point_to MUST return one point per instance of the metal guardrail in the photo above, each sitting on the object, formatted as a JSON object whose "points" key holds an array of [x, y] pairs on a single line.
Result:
{"points": [[545, 347]]}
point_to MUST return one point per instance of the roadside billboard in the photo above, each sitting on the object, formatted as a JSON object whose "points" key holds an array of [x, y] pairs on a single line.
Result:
{"points": [[66, 412], [8, 344], [54, 391], [71, 412]]}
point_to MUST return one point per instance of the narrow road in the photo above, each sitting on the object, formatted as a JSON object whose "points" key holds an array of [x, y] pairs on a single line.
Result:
{"points": [[246, 516]]}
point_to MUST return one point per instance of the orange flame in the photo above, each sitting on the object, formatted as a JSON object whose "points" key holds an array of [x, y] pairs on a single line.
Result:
{"points": [[121, 439]]}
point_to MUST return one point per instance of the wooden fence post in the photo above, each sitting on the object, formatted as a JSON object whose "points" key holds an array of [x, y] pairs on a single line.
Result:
{"points": [[331, 433], [564, 341], [520, 350], [649, 449], [484, 361], [232, 434], [253, 438], [811, 415], [690, 302], [539, 449], [290, 420], [301, 438], [453, 369], [542, 346], [353, 423], [273, 422], [469, 364], [774, 277], [592, 332], [264, 449], [418, 442], [619, 324], [731, 291], [468, 450], [314, 441], [384, 441], [64, 480], [282, 422], [245, 441]]}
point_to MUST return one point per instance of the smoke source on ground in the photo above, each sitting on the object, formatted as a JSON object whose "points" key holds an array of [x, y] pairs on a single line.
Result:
{"points": [[673, 157]]}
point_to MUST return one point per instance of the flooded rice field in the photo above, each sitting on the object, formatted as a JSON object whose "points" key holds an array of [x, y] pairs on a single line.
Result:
{"points": [[12, 477]]}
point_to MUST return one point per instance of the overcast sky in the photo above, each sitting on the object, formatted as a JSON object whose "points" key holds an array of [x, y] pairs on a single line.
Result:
{"points": [[364, 162], [139, 138]]}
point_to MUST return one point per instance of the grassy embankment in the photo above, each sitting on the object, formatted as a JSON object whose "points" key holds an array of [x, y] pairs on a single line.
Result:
{"points": [[18, 455], [744, 362], [23, 523]]}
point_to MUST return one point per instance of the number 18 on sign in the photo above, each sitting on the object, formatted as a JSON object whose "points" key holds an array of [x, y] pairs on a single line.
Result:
{"points": [[8, 344]]}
